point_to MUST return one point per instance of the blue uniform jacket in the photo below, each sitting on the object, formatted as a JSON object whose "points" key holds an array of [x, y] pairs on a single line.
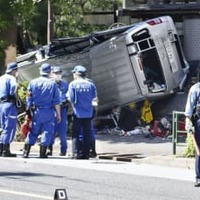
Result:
{"points": [[81, 92], [192, 100], [42, 93], [63, 88], [7, 86]]}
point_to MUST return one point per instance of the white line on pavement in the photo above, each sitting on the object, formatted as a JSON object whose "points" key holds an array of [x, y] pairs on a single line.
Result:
{"points": [[25, 194]]}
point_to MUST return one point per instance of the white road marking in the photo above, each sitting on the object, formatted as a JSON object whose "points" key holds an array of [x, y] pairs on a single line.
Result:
{"points": [[25, 194]]}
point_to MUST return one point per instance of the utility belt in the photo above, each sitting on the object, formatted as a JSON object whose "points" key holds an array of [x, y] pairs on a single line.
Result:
{"points": [[195, 116], [8, 100], [42, 107]]}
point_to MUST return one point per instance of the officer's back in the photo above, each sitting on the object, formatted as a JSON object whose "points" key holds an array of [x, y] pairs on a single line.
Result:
{"points": [[42, 91]]}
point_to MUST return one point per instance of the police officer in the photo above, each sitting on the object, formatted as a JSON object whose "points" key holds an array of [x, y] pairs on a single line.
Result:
{"points": [[81, 93], [93, 153], [60, 128], [192, 125], [42, 102], [8, 110]]}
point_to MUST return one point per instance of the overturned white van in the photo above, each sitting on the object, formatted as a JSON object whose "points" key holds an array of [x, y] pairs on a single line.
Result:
{"points": [[127, 64]]}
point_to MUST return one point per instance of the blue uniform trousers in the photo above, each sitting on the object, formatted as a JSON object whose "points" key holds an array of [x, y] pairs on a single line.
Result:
{"points": [[43, 122], [85, 124], [92, 131], [61, 130], [8, 117]]}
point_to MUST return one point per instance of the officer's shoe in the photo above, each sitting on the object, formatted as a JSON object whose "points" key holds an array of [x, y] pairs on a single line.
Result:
{"points": [[43, 153], [6, 151], [50, 150], [82, 157], [74, 156], [93, 153], [62, 154], [26, 150], [197, 183], [49, 153], [85, 157], [79, 156]]}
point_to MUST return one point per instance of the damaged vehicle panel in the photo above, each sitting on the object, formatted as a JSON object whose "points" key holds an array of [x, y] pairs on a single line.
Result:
{"points": [[128, 64]]}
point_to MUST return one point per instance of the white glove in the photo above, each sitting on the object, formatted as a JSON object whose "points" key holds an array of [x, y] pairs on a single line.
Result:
{"points": [[189, 126]]}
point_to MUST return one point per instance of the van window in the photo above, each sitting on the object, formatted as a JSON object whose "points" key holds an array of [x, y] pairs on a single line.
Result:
{"points": [[150, 61], [152, 67], [180, 53], [141, 35]]}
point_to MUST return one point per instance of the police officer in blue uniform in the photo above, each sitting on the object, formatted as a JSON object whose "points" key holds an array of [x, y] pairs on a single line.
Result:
{"points": [[192, 124], [42, 102], [93, 153], [60, 128], [8, 109], [81, 93]]}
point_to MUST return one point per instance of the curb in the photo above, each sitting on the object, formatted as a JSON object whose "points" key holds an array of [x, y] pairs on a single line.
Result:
{"points": [[169, 161]]}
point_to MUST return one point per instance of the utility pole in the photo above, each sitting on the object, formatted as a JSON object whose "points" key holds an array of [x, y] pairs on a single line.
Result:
{"points": [[49, 23]]}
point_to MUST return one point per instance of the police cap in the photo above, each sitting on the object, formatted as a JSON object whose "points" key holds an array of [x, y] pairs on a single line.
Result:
{"points": [[79, 69], [57, 70], [11, 66], [45, 69]]}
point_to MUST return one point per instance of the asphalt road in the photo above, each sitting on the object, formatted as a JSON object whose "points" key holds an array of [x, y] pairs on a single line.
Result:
{"points": [[34, 178]]}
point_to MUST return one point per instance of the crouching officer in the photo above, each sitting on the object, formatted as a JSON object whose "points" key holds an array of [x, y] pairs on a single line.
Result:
{"points": [[60, 128], [8, 109], [42, 102]]}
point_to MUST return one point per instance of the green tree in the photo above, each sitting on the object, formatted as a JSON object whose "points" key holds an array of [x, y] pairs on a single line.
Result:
{"points": [[6, 17], [38, 22], [68, 18], [13, 12], [31, 15]]}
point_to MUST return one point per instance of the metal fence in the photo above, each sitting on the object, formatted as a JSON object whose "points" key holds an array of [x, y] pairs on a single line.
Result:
{"points": [[178, 129]]}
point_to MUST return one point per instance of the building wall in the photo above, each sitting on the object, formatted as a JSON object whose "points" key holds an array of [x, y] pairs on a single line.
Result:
{"points": [[191, 28]]}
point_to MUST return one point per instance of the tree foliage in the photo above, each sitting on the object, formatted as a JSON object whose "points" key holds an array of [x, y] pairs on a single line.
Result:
{"points": [[15, 12], [68, 18], [32, 16], [189, 150]]}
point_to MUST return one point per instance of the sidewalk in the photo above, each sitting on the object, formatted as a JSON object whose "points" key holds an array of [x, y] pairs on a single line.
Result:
{"points": [[137, 149]]}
